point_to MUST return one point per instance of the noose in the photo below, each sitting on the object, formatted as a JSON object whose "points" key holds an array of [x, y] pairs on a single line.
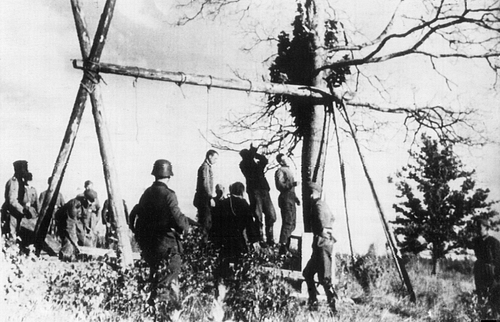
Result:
{"points": [[136, 112], [208, 112]]}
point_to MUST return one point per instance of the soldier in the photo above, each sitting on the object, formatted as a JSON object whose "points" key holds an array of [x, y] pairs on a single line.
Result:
{"points": [[252, 166], [487, 266], [59, 203], [285, 183], [205, 194], [17, 200], [158, 225], [95, 207], [109, 221], [321, 259], [73, 226]]}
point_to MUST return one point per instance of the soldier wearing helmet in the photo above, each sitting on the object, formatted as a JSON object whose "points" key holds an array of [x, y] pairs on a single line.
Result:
{"points": [[158, 225], [73, 226]]}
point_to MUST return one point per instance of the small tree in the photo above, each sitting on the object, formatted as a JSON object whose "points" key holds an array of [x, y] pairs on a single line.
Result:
{"points": [[436, 211]]}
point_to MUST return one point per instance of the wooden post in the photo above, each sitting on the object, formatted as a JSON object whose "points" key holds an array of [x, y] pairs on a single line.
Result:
{"points": [[60, 165], [205, 80], [110, 176], [87, 85]]}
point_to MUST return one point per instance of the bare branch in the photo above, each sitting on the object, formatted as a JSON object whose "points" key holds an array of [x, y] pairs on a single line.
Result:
{"points": [[443, 121]]}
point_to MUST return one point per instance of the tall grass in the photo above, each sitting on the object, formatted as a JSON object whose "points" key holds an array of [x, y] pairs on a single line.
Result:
{"points": [[45, 289]]}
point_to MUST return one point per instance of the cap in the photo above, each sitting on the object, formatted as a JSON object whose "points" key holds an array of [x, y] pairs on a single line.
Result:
{"points": [[90, 194]]}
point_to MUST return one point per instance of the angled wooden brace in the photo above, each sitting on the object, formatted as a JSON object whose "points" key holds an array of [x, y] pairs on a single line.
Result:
{"points": [[88, 84]]}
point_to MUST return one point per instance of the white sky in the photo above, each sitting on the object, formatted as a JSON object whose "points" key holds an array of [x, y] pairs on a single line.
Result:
{"points": [[154, 120]]}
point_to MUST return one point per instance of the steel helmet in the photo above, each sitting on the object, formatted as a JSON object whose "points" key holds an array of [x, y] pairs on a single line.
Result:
{"points": [[162, 169]]}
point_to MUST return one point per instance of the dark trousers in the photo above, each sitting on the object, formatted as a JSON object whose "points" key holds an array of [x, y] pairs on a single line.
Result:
{"points": [[205, 218], [11, 223], [487, 287], [165, 267], [262, 206], [286, 202], [321, 264]]}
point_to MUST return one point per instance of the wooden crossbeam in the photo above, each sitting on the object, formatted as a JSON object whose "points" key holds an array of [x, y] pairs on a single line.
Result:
{"points": [[205, 80]]}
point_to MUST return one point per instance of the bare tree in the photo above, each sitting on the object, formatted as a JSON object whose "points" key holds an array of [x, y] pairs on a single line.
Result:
{"points": [[337, 57]]}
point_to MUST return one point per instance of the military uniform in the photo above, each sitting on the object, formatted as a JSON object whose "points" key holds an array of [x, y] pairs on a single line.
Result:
{"points": [[17, 200], [59, 203], [487, 270], [158, 225], [321, 258], [109, 222], [74, 223]]}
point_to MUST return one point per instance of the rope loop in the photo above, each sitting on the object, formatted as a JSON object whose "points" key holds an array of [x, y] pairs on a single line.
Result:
{"points": [[183, 79], [251, 86], [209, 87]]}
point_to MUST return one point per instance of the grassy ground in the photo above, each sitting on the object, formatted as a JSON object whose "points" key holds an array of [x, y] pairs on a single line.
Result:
{"points": [[45, 289]]}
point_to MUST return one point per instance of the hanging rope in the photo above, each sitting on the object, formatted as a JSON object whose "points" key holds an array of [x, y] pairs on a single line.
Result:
{"points": [[208, 112], [344, 184], [136, 112], [403, 274], [181, 82]]}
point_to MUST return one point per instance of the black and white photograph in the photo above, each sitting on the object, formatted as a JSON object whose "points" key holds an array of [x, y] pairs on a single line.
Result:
{"points": [[250, 160]]}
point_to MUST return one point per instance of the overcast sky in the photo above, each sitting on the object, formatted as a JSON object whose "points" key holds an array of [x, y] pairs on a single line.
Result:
{"points": [[150, 120]]}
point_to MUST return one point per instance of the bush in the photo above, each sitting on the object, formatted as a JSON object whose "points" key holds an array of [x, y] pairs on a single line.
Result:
{"points": [[255, 291], [98, 290]]}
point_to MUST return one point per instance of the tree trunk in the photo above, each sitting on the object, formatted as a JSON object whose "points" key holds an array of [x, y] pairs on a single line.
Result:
{"points": [[314, 146]]}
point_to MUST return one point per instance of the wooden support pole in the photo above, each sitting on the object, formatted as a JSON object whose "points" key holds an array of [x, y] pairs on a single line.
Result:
{"points": [[110, 176], [204, 80], [108, 163], [48, 204], [390, 238], [87, 85]]}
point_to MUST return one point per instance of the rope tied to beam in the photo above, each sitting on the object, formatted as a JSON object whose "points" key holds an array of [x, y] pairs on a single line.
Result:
{"points": [[91, 76], [137, 74], [183, 79], [251, 87], [209, 87]]}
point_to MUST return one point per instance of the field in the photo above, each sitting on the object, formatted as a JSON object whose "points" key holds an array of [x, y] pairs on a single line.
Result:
{"points": [[45, 289]]}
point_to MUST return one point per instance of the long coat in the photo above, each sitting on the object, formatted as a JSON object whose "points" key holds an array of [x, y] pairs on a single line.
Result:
{"points": [[158, 223]]}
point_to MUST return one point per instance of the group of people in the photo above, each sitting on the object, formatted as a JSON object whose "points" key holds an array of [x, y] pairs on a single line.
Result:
{"points": [[73, 223], [208, 198], [233, 225], [229, 222]]}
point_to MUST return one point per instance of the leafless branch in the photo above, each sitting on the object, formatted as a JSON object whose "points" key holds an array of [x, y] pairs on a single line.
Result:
{"points": [[441, 120]]}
